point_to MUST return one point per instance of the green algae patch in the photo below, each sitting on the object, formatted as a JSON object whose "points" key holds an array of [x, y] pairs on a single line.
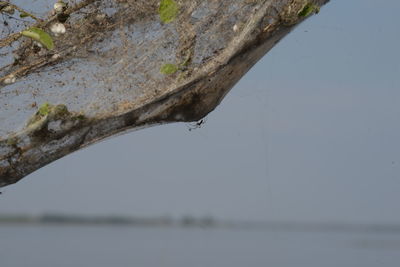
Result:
{"points": [[60, 111], [169, 69], [53, 120], [308, 9], [48, 110], [44, 109], [168, 11]]}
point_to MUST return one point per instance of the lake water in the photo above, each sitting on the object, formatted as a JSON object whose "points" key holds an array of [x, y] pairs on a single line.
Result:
{"points": [[58, 246]]}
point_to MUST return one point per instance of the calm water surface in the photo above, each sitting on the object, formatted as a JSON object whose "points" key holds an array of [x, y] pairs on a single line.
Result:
{"points": [[54, 246]]}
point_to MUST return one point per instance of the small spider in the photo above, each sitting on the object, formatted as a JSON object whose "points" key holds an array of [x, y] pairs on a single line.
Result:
{"points": [[196, 124]]}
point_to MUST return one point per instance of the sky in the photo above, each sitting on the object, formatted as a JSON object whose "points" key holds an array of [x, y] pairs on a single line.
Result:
{"points": [[310, 134]]}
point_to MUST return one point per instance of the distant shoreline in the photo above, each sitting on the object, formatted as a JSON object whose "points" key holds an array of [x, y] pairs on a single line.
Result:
{"points": [[189, 221]]}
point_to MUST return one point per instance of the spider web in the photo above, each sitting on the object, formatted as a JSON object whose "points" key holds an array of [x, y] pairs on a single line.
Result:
{"points": [[105, 74], [117, 68]]}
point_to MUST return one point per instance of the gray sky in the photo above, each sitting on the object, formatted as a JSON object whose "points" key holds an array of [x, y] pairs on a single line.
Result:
{"points": [[320, 146]]}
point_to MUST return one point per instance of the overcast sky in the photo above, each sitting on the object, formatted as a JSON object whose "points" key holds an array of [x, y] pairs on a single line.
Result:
{"points": [[311, 133]]}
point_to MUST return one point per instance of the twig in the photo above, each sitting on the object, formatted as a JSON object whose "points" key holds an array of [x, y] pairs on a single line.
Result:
{"points": [[5, 67], [15, 36], [21, 71], [22, 11]]}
